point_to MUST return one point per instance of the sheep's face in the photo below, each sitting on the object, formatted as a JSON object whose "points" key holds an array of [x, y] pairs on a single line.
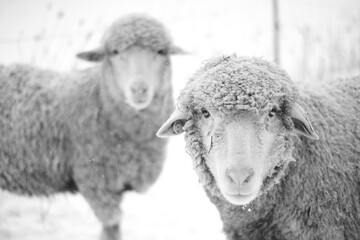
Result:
{"points": [[239, 115], [238, 151], [138, 73], [135, 74], [135, 54], [245, 151]]}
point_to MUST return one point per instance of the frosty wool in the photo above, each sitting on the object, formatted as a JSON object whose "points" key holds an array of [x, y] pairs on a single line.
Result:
{"points": [[258, 156]]}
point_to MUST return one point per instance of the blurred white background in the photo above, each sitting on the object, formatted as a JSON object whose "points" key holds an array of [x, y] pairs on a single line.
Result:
{"points": [[319, 40]]}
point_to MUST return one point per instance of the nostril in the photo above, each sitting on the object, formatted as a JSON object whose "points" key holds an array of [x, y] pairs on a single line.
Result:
{"points": [[240, 177], [249, 177], [143, 90]]}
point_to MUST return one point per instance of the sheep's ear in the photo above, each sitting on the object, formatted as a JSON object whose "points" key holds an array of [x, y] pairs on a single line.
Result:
{"points": [[301, 122], [174, 125], [96, 55], [177, 50]]}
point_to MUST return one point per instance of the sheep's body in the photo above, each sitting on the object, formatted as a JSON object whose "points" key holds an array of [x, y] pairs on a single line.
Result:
{"points": [[78, 132], [319, 196], [55, 130], [311, 189], [48, 128], [59, 133], [35, 144]]}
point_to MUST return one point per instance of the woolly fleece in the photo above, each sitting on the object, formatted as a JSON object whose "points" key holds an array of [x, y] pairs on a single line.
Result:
{"points": [[140, 30], [315, 197], [56, 130], [66, 132]]}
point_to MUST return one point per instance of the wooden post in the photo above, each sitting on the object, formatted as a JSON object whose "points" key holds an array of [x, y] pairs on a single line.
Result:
{"points": [[276, 31]]}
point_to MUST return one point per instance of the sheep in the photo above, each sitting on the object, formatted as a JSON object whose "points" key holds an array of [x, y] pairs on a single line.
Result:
{"points": [[255, 150], [90, 131]]}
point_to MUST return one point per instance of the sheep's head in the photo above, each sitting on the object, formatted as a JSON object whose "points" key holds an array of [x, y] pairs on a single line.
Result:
{"points": [[238, 115], [135, 55]]}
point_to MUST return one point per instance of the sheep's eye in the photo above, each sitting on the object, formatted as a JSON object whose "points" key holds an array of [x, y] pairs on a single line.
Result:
{"points": [[177, 127], [205, 113], [162, 52], [115, 52], [272, 112]]}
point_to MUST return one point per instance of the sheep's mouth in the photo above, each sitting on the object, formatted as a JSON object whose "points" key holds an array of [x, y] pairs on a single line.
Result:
{"points": [[240, 199], [270, 181], [139, 102], [140, 105]]}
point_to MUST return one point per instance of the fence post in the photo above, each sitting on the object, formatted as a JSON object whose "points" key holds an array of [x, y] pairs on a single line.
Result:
{"points": [[276, 31]]}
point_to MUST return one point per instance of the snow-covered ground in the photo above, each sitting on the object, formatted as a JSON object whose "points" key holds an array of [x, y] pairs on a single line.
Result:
{"points": [[319, 39]]}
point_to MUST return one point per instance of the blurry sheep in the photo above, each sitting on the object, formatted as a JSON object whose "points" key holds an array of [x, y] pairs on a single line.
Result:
{"points": [[91, 131]]}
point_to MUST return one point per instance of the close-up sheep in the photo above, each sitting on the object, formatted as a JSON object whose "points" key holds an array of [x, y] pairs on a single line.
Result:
{"points": [[279, 160], [90, 131]]}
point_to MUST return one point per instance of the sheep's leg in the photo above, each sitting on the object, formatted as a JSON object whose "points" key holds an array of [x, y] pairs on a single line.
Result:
{"points": [[110, 232], [106, 206]]}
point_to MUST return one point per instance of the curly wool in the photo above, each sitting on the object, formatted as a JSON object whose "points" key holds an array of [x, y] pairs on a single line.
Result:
{"points": [[235, 83], [137, 30], [54, 117], [318, 197], [229, 85]]}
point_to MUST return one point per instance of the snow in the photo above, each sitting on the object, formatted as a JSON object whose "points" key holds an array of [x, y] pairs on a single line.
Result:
{"points": [[320, 39]]}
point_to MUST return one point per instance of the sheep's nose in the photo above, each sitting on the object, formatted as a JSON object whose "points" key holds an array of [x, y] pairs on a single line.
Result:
{"points": [[239, 176], [139, 88]]}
